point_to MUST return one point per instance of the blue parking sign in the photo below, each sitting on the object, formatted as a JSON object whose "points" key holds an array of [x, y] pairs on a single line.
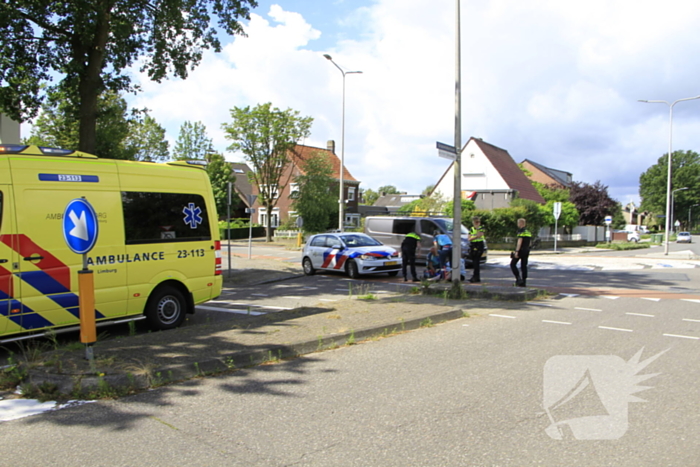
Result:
{"points": [[80, 226]]}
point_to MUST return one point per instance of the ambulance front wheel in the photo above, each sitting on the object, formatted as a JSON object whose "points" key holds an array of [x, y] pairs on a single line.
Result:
{"points": [[166, 308]]}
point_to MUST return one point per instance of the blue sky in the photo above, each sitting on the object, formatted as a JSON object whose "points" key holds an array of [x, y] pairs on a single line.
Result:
{"points": [[551, 81]]}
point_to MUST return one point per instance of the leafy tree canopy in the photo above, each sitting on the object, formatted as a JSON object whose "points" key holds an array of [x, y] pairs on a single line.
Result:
{"points": [[90, 44], [192, 142], [220, 174], [552, 192], [685, 172], [314, 202], [425, 206], [265, 135], [592, 202]]}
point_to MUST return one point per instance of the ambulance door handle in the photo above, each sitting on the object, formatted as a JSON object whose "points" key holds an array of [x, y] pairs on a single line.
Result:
{"points": [[33, 258], [3, 261]]}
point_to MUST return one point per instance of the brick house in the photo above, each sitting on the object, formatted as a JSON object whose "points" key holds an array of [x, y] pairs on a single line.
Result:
{"points": [[297, 156], [546, 175]]}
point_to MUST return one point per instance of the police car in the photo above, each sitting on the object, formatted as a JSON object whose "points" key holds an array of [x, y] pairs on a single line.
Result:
{"points": [[353, 253]]}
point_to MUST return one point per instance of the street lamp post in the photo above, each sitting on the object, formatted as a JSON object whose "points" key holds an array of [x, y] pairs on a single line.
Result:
{"points": [[670, 144], [673, 202], [689, 210], [341, 198]]}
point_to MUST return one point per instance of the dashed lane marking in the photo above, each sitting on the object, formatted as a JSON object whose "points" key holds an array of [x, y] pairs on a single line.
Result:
{"points": [[682, 337], [501, 316], [615, 329], [554, 322], [690, 300], [569, 294], [651, 299], [610, 297], [692, 320], [640, 314], [586, 309], [259, 295], [539, 304]]}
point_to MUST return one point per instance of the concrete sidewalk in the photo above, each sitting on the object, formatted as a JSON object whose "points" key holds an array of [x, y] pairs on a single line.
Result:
{"points": [[151, 359]]}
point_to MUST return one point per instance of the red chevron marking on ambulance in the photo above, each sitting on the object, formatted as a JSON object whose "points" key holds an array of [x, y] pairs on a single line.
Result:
{"points": [[6, 285], [50, 264]]}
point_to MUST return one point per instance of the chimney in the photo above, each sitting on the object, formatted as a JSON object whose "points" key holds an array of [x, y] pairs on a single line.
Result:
{"points": [[331, 146]]}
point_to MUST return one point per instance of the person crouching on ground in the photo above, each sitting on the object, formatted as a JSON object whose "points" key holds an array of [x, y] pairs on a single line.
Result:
{"points": [[443, 245], [408, 253], [521, 253]]}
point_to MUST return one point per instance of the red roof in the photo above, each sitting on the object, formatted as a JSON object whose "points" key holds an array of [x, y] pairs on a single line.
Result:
{"points": [[302, 153], [509, 170]]}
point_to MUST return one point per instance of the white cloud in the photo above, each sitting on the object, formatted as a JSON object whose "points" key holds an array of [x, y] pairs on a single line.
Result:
{"points": [[555, 82]]}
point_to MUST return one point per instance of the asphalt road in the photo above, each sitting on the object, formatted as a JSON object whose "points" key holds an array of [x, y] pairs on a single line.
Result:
{"points": [[468, 392]]}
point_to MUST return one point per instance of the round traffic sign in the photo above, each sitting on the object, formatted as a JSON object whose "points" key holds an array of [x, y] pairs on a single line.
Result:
{"points": [[80, 226]]}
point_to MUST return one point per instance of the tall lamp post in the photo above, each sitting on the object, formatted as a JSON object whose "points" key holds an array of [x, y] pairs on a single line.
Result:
{"points": [[673, 202], [670, 144], [689, 210], [341, 199]]}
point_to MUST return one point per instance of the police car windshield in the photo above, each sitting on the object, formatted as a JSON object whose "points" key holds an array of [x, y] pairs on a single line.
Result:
{"points": [[447, 225], [354, 240]]}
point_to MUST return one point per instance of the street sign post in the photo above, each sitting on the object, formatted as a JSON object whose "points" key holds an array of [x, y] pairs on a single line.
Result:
{"points": [[251, 211], [556, 211], [608, 221], [80, 230], [446, 151]]}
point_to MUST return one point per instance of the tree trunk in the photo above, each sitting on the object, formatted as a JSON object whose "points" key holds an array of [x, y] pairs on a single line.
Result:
{"points": [[90, 84], [268, 222]]}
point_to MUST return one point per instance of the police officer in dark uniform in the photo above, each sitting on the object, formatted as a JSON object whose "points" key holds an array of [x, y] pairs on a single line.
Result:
{"points": [[476, 239], [408, 255], [521, 253]]}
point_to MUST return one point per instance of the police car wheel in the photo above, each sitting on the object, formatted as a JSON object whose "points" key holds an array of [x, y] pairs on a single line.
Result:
{"points": [[166, 308], [308, 267], [351, 269]]}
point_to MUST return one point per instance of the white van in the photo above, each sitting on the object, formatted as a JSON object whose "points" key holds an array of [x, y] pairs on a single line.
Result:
{"points": [[392, 230]]}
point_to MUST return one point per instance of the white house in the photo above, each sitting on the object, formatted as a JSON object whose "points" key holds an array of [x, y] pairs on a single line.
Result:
{"points": [[9, 130], [490, 177]]}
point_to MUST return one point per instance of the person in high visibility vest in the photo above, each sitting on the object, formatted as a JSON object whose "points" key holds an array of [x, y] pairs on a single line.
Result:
{"points": [[408, 253], [476, 239], [521, 253]]}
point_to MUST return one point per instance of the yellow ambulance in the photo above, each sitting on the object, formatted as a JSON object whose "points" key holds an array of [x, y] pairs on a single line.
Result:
{"points": [[157, 252]]}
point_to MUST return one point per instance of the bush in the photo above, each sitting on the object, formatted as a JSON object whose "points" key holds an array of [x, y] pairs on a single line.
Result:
{"points": [[623, 246]]}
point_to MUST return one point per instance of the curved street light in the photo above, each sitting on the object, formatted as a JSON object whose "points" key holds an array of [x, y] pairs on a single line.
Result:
{"points": [[670, 143], [341, 199]]}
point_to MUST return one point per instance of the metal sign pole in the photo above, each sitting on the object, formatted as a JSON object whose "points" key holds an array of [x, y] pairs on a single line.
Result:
{"points": [[228, 227]]}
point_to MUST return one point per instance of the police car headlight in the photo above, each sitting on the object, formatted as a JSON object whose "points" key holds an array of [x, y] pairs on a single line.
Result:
{"points": [[366, 257], [396, 254]]}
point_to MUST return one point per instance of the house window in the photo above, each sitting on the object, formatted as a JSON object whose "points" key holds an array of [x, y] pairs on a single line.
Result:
{"points": [[294, 190], [274, 220], [351, 193], [273, 190]]}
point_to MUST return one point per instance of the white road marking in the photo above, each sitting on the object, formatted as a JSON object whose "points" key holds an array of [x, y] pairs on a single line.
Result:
{"points": [[690, 300], [610, 297], [326, 300], [651, 299], [502, 316], [538, 304], [310, 288], [275, 307], [344, 290], [692, 320], [682, 337], [292, 297], [231, 310], [259, 295], [615, 329], [586, 309], [640, 314], [554, 322], [465, 325], [569, 294]]}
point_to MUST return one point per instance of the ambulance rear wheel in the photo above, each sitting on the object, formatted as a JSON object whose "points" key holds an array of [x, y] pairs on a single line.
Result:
{"points": [[166, 308]]}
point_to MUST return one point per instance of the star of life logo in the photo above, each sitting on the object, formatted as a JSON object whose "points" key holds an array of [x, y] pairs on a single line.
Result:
{"points": [[192, 215], [587, 396]]}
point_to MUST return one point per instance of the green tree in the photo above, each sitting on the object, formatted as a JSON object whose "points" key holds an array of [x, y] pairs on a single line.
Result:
{"points": [[220, 173], [388, 190], [468, 206], [146, 140], [370, 197], [568, 217], [92, 43], [552, 192], [265, 135], [192, 142], [58, 126], [314, 202], [425, 206], [685, 173]]}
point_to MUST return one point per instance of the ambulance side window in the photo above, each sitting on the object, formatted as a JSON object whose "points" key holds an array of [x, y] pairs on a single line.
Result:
{"points": [[164, 217]]}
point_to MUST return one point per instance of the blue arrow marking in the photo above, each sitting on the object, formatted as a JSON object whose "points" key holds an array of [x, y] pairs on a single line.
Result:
{"points": [[192, 215]]}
